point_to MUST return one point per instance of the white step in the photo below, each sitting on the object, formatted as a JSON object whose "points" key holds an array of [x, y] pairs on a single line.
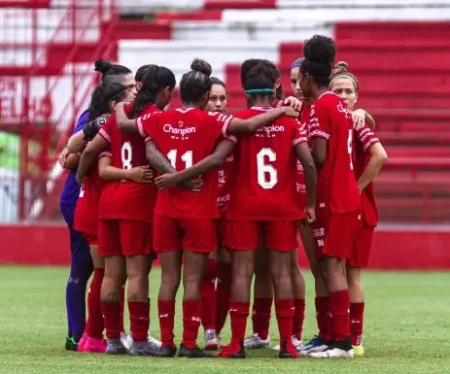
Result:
{"points": [[360, 3]]}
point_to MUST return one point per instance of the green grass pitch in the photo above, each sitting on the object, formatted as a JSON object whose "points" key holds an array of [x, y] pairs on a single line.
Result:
{"points": [[406, 331]]}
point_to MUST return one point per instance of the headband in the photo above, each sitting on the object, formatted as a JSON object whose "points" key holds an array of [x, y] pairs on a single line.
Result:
{"points": [[345, 75], [260, 90]]}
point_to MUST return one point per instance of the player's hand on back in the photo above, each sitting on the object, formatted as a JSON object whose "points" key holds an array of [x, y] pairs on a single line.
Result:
{"points": [[141, 174], [293, 102], [359, 118], [289, 112], [310, 214], [63, 156]]}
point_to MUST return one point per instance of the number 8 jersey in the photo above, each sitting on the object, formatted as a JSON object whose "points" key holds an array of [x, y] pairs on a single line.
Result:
{"points": [[263, 178], [337, 190], [127, 199]]}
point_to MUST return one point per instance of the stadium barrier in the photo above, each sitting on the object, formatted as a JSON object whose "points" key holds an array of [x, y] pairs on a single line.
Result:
{"points": [[399, 249]]}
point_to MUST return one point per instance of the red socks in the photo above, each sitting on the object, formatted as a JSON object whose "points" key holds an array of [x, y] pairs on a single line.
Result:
{"points": [[139, 319], [122, 306], [299, 317], [285, 311], [339, 304], [208, 291], [191, 322], [356, 322], [223, 295], [113, 319], [238, 314], [323, 317], [262, 308], [94, 324], [166, 315]]}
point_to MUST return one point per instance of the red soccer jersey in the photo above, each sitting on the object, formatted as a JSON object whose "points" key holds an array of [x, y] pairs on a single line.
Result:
{"points": [[304, 129], [263, 179], [127, 199], [364, 139], [86, 212], [224, 186], [337, 191], [186, 136]]}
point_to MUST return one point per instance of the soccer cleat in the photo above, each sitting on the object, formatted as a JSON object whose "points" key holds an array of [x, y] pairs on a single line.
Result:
{"points": [[316, 344], [92, 345], [126, 340], [359, 350], [255, 342], [288, 350], [296, 343], [341, 349], [211, 340], [71, 345], [82, 342], [115, 347], [195, 352], [229, 352], [154, 341], [144, 349], [167, 351]]}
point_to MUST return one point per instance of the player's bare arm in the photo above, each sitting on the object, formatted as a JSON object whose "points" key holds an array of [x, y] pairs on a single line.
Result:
{"points": [[72, 161], [242, 126], [123, 122], [141, 174], [309, 169], [213, 161], [76, 142], [361, 117], [90, 155], [319, 151], [378, 157]]}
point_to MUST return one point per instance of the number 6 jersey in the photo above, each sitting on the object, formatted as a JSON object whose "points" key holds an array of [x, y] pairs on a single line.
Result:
{"points": [[264, 174], [127, 199]]}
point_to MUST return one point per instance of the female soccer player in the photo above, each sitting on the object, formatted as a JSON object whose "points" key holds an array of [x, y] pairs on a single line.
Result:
{"points": [[338, 202], [186, 220], [81, 262], [216, 301], [369, 159], [126, 216]]}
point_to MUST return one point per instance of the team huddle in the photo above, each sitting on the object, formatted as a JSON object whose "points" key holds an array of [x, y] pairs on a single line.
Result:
{"points": [[220, 199]]}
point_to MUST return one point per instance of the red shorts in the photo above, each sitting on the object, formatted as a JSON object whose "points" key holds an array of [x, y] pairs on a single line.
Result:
{"points": [[124, 237], [193, 235], [92, 239], [361, 248], [276, 235], [334, 235]]}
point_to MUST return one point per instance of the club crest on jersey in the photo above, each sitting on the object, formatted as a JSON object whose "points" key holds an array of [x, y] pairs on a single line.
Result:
{"points": [[179, 133], [343, 109], [269, 131]]}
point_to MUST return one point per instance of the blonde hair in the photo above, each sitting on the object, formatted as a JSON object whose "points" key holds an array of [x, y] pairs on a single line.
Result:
{"points": [[340, 70]]}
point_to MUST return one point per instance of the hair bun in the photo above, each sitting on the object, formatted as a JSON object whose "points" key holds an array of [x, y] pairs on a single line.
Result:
{"points": [[201, 66], [102, 66], [340, 67]]}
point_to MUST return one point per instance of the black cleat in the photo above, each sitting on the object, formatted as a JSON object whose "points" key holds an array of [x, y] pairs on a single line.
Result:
{"points": [[286, 353], [195, 352], [167, 351], [144, 349], [71, 345]]}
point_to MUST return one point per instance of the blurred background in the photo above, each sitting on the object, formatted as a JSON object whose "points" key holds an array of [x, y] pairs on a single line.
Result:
{"points": [[399, 50]]}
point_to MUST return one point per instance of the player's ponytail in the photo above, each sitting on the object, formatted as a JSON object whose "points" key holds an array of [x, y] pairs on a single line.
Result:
{"points": [[156, 78], [319, 52], [105, 68], [197, 82]]}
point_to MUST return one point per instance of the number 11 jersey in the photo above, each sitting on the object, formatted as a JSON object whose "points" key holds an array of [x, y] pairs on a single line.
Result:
{"points": [[264, 175], [127, 199]]}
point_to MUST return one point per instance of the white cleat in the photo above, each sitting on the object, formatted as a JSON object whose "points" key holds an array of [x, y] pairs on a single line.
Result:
{"points": [[126, 340], [153, 340], [334, 353], [297, 343], [211, 340], [255, 342]]}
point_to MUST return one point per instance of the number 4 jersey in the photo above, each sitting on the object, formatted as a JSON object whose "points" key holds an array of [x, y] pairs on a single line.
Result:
{"points": [[337, 191], [127, 199], [264, 174], [186, 136]]}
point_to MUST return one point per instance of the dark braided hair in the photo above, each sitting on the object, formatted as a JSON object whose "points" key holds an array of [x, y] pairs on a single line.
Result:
{"points": [[319, 53], [140, 73], [105, 68], [156, 78], [259, 82], [103, 94], [197, 82], [271, 68]]}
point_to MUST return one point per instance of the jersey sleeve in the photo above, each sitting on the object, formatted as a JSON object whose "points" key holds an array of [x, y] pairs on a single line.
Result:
{"points": [[147, 125], [366, 137], [319, 123], [221, 121], [300, 134], [106, 132]]}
